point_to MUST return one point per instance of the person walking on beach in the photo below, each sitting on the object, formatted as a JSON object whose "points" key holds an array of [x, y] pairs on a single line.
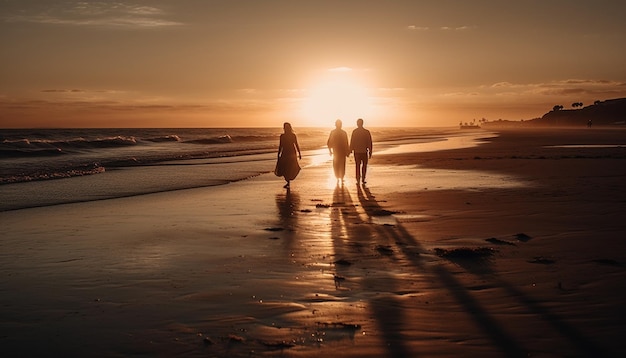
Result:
{"points": [[287, 165], [361, 145], [339, 148]]}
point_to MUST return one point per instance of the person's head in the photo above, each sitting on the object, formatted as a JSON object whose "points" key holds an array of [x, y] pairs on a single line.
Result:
{"points": [[287, 127], [338, 124], [359, 122]]}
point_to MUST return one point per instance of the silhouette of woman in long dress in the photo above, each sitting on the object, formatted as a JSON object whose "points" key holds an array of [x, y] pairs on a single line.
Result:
{"points": [[287, 165], [339, 148]]}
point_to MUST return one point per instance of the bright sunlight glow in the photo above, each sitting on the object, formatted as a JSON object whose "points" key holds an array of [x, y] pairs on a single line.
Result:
{"points": [[337, 98]]}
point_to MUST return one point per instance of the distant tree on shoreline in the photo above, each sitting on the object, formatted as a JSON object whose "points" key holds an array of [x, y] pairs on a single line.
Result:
{"points": [[609, 112]]}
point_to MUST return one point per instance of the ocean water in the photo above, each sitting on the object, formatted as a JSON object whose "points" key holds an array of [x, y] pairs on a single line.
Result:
{"points": [[29, 155], [40, 167]]}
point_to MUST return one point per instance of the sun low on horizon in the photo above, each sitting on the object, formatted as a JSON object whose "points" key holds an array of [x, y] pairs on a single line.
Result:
{"points": [[337, 95]]}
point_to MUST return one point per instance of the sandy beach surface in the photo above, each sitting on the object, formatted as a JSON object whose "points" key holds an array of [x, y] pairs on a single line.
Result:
{"points": [[512, 248]]}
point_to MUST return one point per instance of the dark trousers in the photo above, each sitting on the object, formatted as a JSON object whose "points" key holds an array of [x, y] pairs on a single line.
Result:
{"points": [[360, 159]]}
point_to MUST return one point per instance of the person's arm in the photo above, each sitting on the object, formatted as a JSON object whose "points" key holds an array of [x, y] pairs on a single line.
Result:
{"points": [[280, 146], [351, 144], [371, 146], [329, 143], [297, 146]]}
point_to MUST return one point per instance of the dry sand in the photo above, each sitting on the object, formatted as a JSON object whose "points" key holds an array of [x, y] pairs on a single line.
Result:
{"points": [[512, 248]]}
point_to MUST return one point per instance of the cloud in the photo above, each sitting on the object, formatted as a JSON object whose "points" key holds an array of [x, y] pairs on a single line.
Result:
{"points": [[442, 28], [502, 85], [417, 28], [83, 92], [97, 106], [588, 87], [464, 28], [461, 94], [63, 91], [459, 28], [568, 88], [97, 14], [594, 82]]}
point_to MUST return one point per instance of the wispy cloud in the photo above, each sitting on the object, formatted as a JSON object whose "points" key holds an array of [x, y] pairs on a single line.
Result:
{"points": [[600, 88], [76, 90], [459, 28], [97, 14], [441, 28], [110, 105], [537, 94], [62, 91], [594, 82], [417, 28], [580, 88]]}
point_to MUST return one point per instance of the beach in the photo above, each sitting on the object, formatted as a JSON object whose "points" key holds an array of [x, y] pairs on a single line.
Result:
{"points": [[512, 247]]}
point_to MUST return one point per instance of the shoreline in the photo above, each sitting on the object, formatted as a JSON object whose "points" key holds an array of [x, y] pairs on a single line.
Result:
{"points": [[249, 269], [173, 175]]}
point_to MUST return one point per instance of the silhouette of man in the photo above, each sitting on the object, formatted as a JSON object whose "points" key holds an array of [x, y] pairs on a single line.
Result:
{"points": [[361, 145], [339, 148]]}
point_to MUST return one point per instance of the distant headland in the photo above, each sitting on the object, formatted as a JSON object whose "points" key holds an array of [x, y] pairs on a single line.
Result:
{"points": [[611, 112]]}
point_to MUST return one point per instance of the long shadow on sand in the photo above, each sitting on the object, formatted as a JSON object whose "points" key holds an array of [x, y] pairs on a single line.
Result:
{"points": [[350, 235], [288, 204], [353, 231]]}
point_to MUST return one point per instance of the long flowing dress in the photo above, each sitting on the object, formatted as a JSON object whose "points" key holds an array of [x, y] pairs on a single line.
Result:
{"points": [[338, 142], [287, 165]]}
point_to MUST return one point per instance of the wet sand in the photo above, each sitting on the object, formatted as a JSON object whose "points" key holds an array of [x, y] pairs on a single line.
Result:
{"points": [[511, 248]]}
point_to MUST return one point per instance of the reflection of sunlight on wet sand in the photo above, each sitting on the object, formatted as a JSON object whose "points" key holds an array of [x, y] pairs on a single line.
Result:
{"points": [[321, 157], [451, 142], [412, 178], [142, 259], [330, 182], [316, 157], [384, 220]]}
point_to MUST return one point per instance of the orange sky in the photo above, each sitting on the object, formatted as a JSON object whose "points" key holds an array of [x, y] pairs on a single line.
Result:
{"points": [[197, 63]]}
